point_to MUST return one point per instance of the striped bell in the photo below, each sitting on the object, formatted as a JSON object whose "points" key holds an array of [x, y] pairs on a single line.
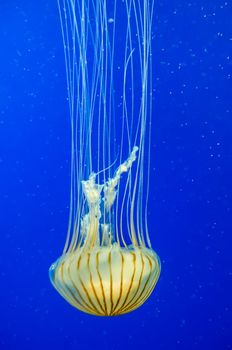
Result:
{"points": [[106, 281]]}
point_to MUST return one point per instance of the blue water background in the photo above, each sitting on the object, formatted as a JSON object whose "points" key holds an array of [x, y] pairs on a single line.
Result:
{"points": [[190, 221]]}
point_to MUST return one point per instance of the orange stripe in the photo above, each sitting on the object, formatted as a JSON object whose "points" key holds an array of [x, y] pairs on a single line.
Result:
{"points": [[70, 291], [92, 286], [133, 306], [121, 285], [129, 289], [78, 292], [139, 284], [102, 289], [140, 300], [85, 289], [111, 283]]}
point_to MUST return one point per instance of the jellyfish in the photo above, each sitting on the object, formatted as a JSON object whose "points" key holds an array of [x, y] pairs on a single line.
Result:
{"points": [[108, 266]]}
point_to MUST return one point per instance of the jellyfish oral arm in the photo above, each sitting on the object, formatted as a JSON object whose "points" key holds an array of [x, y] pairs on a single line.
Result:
{"points": [[93, 194], [110, 187]]}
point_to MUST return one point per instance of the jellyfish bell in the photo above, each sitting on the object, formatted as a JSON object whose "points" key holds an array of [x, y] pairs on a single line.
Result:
{"points": [[108, 266], [106, 280]]}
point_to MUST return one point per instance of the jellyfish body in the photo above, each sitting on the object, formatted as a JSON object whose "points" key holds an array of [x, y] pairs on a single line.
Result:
{"points": [[108, 266]]}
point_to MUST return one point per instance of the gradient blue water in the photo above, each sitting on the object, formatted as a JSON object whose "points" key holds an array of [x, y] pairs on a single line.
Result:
{"points": [[191, 184]]}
